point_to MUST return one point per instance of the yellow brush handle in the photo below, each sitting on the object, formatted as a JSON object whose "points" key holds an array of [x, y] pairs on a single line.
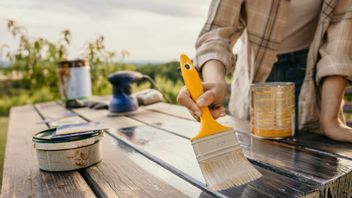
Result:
{"points": [[209, 126]]}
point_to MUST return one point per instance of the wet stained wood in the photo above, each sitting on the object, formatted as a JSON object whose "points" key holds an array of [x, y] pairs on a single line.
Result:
{"points": [[310, 141], [21, 174], [124, 172], [306, 164], [319, 143], [177, 152], [331, 171]]}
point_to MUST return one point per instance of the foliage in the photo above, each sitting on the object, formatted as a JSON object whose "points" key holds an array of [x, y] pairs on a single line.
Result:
{"points": [[36, 58], [103, 63], [34, 61], [169, 70]]}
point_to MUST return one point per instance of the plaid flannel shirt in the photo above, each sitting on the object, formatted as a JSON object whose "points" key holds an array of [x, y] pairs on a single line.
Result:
{"points": [[260, 24]]}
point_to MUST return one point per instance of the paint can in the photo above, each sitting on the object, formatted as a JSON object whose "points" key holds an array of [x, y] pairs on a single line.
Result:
{"points": [[74, 80], [273, 110], [67, 153]]}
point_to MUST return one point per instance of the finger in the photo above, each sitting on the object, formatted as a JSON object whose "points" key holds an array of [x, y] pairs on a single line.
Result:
{"points": [[194, 116], [219, 112], [185, 99], [206, 99], [208, 85], [214, 106]]}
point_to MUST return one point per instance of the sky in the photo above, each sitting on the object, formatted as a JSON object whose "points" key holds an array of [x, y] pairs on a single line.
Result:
{"points": [[151, 30]]}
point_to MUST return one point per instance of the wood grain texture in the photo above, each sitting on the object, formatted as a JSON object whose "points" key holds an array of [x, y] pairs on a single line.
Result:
{"points": [[178, 152], [319, 143], [124, 172], [310, 141], [21, 175], [305, 163]]}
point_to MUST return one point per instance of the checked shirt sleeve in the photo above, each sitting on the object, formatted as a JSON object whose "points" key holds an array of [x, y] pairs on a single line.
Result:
{"points": [[219, 34], [336, 52]]}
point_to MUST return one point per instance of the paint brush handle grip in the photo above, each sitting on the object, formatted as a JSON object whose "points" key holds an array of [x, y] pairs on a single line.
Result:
{"points": [[209, 125]]}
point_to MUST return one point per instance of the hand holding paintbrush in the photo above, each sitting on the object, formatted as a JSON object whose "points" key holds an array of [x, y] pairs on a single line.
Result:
{"points": [[215, 91], [217, 149]]}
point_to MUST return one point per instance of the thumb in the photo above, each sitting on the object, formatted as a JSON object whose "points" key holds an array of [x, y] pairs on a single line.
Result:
{"points": [[206, 99]]}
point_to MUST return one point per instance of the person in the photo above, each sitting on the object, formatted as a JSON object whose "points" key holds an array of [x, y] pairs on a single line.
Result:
{"points": [[305, 42]]}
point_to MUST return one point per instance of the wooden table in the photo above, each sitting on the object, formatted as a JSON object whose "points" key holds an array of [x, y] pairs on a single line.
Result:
{"points": [[149, 154]]}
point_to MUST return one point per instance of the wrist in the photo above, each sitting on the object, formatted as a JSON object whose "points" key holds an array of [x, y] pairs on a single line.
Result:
{"points": [[214, 71], [328, 122]]}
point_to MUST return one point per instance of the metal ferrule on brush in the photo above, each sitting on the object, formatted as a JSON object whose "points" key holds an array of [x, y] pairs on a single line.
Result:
{"points": [[215, 145]]}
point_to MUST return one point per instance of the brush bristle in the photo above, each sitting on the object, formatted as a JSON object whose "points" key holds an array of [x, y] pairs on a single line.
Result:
{"points": [[228, 170], [222, 162]]}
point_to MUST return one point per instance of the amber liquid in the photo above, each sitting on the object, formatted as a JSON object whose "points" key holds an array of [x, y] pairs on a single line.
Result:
{"points": [[272, 111]]}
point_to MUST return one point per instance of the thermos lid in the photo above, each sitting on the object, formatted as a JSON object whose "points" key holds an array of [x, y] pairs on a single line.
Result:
{"points": [[73, 63]]}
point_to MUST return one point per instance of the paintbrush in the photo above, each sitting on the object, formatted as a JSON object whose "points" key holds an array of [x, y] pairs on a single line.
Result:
{"points": [[217, 149]]}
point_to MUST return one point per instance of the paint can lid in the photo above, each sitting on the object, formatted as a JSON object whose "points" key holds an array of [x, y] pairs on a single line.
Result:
{"points": [[45, 140]]}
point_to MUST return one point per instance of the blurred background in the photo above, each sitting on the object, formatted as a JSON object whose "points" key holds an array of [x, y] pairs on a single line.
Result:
{"points": [[141, 35]]}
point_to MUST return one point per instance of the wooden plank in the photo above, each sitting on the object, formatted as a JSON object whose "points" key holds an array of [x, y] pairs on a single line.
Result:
{"points": [[127, 173], [321, 144], [310, 141], [173, 110], [311, 165], [178, 152], [124, 172], [21, 175]]}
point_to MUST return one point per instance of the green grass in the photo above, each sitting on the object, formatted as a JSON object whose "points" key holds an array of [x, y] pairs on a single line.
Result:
{"points": [[3, 134]]}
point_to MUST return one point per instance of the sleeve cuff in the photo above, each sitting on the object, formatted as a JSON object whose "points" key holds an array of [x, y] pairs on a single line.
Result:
{"points": [[227, 60], [338, 67]]}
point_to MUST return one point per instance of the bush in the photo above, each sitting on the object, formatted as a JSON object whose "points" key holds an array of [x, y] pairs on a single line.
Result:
{"points": [[35, 60], [169, 70]]}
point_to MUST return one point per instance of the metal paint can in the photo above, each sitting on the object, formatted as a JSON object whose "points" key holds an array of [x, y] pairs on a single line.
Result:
{"points": [[74, 80], [273, 110], [67, 153]]}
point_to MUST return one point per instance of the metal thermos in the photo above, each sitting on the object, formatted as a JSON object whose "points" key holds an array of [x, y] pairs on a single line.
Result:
{"points": [[74, 80]]}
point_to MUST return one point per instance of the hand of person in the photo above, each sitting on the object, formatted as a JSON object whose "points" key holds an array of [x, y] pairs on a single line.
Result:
{"points": [[332, 96], [213, 97], [215, 90]]}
